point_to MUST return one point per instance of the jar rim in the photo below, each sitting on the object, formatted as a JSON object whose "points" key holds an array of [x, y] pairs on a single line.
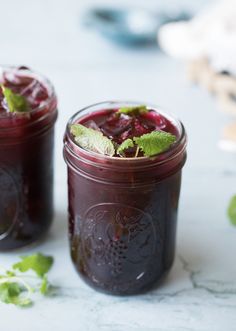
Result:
{"points": [[108, 105]]}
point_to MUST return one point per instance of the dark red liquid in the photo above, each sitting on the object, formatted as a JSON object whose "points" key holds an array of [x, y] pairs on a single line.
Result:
{"points": [[123, 213], [26, 163]]}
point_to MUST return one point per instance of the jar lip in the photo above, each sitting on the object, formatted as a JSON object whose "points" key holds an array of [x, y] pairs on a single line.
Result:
{"points": [[39, 77], [107, 105]]}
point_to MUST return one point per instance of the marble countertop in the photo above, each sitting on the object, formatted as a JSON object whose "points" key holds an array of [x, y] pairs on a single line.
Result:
{"points": [[200, 291]]}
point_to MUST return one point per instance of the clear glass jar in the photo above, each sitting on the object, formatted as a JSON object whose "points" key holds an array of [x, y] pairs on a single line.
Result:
{"points": [[123, 212], [26, 169]]}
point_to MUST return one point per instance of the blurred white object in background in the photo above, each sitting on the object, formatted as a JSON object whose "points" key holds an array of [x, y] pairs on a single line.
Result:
{"points": [[208, 44], [210, 34]]}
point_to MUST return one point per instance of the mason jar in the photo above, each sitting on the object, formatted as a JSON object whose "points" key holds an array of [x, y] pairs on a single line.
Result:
{"points": [[26, 163], [123, 211]]}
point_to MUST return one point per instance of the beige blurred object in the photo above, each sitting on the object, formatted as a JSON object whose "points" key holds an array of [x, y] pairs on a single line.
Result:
{"points": [[228, 141], [200, 72], [223, 86]]}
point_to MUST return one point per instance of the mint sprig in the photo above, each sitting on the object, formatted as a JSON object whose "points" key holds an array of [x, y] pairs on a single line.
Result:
{"points": [[128, 143], [232, 210], [39, 263], [15, 102], [137, 110], [150, 144], [11, 292], [92, 140], [44, 287], [15, 288], [155, 142]]}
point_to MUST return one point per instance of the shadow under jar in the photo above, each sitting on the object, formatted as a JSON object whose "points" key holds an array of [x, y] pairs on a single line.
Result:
{"points": [[26, 159], [123, 211]]}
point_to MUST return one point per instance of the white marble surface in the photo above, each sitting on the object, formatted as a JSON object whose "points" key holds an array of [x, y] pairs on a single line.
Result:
{"points": [[200, 292]]}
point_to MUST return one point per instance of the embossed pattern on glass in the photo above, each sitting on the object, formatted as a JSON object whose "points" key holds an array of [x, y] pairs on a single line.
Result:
{"points": [[9, 203]]}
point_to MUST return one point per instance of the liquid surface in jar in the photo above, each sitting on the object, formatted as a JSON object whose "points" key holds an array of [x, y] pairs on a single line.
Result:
{"points": [[119, 127], [20, 82]]}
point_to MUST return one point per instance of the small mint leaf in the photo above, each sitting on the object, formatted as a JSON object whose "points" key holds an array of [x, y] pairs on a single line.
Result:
{"points": [[39, 263], [128, 143], [155, 142], [44, 285], [137, 110], [92, 140], [23, 302], [10, 273], [11, 293], [15, 102], [232, 210]]}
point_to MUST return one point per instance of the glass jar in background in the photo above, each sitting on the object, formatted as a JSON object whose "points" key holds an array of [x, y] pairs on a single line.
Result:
{"points": [[123, 211], [26, 159]]}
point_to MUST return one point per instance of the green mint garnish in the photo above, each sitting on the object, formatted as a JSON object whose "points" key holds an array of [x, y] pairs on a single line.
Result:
{"points": [[232, 210], [128, 143], [15, 289], [137, 110], [15, 102], [12, 293], [39, 263], [44, 285], [155, 142], [150, 144], [92, 140]]}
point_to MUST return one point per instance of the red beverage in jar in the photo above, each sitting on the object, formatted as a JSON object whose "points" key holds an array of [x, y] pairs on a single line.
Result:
{"points": [[26, 156], [123, 208]]}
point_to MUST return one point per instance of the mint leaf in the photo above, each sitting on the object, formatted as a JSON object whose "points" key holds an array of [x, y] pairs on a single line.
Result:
{"points": [[15, 102], [155, 142], [232, 210], [10, 273], [137, 110], [92, 140], [39, 263], [22, 302], [14, 287], [128, 143], [11, 293], [44, 285]]}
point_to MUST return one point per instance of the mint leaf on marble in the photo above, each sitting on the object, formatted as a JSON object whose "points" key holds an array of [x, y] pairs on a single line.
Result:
{"points": [[137, 110], [44, 287], [39, 263], [15, 102], [232, 210], [92, 140], [12, 293], [155, 142], [14, 290], [128, 143], [15, 287]]}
